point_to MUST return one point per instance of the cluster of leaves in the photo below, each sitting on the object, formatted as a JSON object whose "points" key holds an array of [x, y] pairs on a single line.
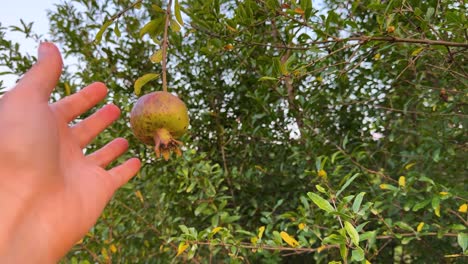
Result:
{"points": [[330, 132]]}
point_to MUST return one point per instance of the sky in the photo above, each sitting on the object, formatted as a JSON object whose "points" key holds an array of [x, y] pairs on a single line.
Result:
{"points": [[30, 11]]}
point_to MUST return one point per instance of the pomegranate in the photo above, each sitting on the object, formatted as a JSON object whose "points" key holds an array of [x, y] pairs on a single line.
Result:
{"points": [[158, 119]]}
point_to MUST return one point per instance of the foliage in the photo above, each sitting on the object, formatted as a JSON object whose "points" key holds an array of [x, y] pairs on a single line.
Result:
{"points": [[321, 132]]}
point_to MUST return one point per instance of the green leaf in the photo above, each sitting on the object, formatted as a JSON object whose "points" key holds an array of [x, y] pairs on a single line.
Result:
{"points": [[175, 26], [357, 202], [177, 13], [357, 254], [347, 183], [157, 56], [267, 78], [158, 9], [320, 189], [98, 37], [144, 80], [352, 233], [117, 30], [417, 51], [184, 229], [151, 27], [430, 11], [334, 239], [421, 205], [462, 240], [344, 251], [320, 202], [200, 209]]}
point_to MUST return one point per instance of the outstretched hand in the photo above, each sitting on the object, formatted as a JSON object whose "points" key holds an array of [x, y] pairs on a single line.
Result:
{"points": [[51, 194]]}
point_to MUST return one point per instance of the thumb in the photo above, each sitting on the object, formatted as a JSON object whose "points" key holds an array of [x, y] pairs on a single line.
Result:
{"points": [[42, 78]]}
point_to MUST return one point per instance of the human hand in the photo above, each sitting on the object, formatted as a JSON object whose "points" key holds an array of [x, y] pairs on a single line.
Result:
{"points": [[51, 194]]}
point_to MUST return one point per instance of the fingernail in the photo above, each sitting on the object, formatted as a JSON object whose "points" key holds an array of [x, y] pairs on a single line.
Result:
{"points": [[42, 51]]}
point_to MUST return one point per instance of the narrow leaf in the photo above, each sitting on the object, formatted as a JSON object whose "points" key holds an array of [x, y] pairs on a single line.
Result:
{"points": [[352, 233], [158, 9], [357, 202], [157, 56], [144, 80], [267, 78], [177, 13], [151, 27], [320, 202], [260, 232], [181, 248], [462, 240], [98, 37], [117, 30], [67, 89], [357, 254], [347, 183], [288, 239]]}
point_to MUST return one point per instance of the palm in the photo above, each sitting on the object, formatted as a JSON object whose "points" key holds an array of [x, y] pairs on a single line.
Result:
{"points": [[61, 190]]}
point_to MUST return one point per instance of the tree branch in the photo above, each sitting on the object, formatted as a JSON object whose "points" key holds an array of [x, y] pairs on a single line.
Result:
{"points": [[337, 40]]}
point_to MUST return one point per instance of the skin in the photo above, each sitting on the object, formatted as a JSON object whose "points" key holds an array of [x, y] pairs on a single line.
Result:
{"points": [[51, 194]]}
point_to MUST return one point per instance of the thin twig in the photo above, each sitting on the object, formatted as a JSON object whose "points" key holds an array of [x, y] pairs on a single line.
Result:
{"points": [[165, 43], [266, 247], [118, 15]]}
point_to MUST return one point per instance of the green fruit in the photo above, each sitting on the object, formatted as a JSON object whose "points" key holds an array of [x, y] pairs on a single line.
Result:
{"points": [[158, 119]]}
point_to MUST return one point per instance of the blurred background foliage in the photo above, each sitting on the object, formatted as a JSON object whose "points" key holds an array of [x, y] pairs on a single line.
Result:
{"points": [[321, 131]]}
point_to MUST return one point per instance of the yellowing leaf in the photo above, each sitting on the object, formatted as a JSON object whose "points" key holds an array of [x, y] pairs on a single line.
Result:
{"points": [[443, 193], [260, 232], [140, 196], [407, 167], [104, 253], [437, 211], [228, 47], [113, 248], [254, 240], [417, 51], [144, 80], [182, 247], [157, 56], [79, 242], [67, 89], [175, 25], [322, 174], [321, 248], [288, 239], [299, 11], [463, 208], [319, 79], [301, 226], [231, 28], [377, 56], [216, 230], [368, 262], [402, 181], [420, 227]]}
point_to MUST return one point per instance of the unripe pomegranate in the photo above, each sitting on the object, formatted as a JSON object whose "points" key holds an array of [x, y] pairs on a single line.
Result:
{"points": [[158, 119]]}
